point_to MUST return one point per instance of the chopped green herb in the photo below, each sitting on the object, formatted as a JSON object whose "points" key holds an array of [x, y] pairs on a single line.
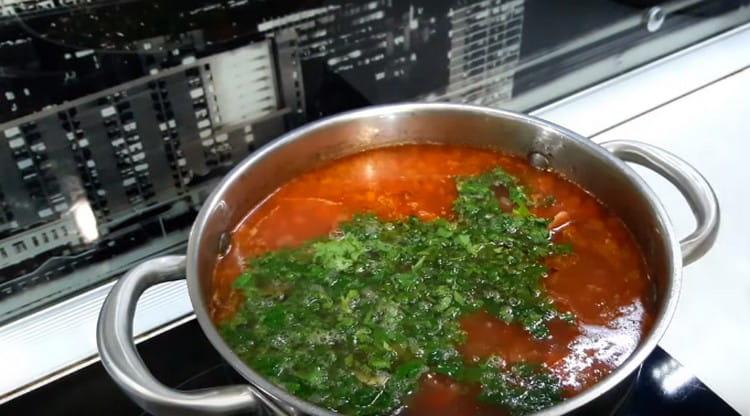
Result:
{"points": [[523, 388], [352, 321], [547, 202]]}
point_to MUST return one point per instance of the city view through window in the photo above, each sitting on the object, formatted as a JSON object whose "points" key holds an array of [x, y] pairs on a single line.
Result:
{"points": [[117, 118]]}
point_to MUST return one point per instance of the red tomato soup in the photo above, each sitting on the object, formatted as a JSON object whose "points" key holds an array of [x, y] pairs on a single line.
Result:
{"points": [[604, 282]]}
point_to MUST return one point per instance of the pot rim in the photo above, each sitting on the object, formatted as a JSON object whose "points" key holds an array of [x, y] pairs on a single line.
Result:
{"points": [[645, 347]]}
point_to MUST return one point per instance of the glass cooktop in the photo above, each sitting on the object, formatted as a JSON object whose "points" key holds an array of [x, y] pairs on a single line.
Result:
{"points": [[183, 358]]}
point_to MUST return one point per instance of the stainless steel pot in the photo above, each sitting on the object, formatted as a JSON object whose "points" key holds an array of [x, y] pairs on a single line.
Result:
{"points": [[599, 169]]}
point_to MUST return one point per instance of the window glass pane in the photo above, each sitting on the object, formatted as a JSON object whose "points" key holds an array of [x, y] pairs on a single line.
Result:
{"points": [[118, 117]]}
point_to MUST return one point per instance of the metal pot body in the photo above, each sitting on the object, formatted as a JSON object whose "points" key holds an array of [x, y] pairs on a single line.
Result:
{"points": [[600, 169]]}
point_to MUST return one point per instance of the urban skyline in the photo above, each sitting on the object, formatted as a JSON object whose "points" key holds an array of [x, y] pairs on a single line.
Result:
{"points": [[86, 172]]}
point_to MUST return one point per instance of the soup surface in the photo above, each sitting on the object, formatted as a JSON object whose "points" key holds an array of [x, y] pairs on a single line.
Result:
{"points": [[449, 286]]}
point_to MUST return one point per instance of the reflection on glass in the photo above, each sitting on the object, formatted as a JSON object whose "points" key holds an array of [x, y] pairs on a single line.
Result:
{"points": [[672, 377], [118, 117], [85, 221]]}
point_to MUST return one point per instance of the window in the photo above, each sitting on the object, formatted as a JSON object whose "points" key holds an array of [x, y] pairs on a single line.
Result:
{"points": [[256, 70]]}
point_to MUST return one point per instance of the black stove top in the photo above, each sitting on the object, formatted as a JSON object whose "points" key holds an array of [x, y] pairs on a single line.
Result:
{"points": [[183, 358]]}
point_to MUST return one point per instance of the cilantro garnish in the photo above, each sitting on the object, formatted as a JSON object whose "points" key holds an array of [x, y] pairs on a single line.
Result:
{"points": [[353, 320]]}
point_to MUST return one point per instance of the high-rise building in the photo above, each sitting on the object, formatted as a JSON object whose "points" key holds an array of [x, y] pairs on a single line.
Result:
{"points": [[485, 45], [110, 148], [144, 151], [359, 52]]}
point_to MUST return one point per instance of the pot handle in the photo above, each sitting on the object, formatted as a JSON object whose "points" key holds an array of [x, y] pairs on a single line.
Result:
{"points": [[693, 186], [114, 336]]}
